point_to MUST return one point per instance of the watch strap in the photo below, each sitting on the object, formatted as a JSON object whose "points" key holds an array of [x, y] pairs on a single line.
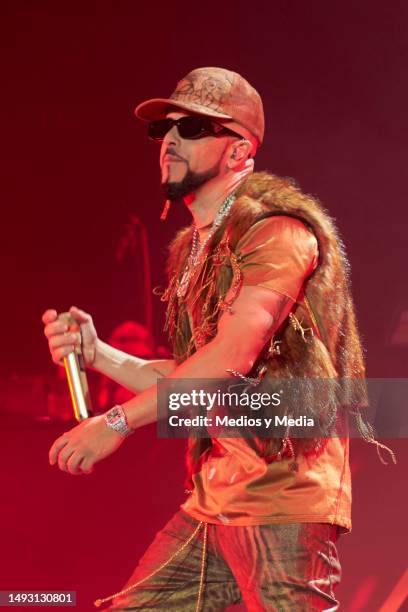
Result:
{"points": [[115, 418]]}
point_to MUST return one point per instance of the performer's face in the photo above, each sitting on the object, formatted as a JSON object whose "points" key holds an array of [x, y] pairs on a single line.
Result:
{"points": [[188, 164]]}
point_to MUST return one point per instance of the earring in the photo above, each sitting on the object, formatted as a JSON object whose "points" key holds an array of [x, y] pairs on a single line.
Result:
{"points": [[165, 210]]}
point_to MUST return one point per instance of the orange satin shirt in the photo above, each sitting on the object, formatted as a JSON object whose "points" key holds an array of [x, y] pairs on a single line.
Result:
{"points": [[237, 487]]}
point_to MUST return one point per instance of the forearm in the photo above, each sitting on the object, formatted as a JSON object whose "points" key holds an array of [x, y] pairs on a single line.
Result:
{"points": [[211, 361], [241, 335], [131, 372]]}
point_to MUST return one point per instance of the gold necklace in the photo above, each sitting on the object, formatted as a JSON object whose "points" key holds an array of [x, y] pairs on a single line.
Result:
{"points": [[197, 248]]}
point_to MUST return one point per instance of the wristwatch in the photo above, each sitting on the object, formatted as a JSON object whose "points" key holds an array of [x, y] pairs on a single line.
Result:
{"points": [[115, 418]]}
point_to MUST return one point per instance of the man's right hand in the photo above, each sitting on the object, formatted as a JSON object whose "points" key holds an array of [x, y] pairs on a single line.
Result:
{"points": [[62, 342]]}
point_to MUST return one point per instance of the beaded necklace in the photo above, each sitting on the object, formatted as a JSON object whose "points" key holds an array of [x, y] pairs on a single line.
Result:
{"points": [[198, 248]]}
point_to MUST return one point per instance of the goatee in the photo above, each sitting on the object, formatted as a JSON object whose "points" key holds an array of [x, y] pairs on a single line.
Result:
{"points": [[190, 183]]}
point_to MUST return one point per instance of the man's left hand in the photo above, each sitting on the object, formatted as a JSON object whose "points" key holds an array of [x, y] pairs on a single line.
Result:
{"points": [[78, 449]]}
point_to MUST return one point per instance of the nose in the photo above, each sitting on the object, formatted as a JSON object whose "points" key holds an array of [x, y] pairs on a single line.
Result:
{"points": [[172, 137]]}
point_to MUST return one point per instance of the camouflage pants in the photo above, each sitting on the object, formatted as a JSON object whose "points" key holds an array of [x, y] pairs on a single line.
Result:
{"points": [[285, 567]]}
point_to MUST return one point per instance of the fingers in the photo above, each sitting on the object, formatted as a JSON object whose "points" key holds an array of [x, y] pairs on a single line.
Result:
{"points": [[72, 465], [55, 327], [64, 340], [63, 457], [60, 342], [64, 335], [49, 316], [61, 346], [79, 315], [68, 459], [55, 449], [59, 354], [86, 466], [77, 450]]}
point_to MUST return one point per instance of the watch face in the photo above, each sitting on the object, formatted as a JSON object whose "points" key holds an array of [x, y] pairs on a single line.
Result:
{"points": [[114, 415], [116, 419]]}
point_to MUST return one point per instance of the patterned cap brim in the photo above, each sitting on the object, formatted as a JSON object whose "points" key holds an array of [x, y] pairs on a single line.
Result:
{"points": [[157, 108]]}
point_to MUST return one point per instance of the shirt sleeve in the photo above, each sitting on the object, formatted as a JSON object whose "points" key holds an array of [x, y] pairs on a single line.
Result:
{"points": [[279, 253]]}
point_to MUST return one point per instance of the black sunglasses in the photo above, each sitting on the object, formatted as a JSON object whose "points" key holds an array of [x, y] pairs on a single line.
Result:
{"points": [[191, 128]]}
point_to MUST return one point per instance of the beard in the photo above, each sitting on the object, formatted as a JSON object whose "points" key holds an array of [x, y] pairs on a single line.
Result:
{"points": [[174, 191]]}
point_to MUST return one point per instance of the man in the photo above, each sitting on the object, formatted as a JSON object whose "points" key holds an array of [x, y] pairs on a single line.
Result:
{"points": [[257, 289]]}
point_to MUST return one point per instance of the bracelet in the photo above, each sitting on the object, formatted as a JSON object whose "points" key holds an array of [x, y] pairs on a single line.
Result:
{"points": [[115, 418]]}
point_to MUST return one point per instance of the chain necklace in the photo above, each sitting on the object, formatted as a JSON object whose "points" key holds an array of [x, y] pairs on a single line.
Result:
{"points": [[197, 247]]}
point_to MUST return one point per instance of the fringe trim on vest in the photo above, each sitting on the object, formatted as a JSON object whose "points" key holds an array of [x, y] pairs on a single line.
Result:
{"points": [[319, 339]]}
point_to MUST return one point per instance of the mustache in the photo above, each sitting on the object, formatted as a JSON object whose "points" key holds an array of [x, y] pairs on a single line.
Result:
{"points": [[172, 152]]}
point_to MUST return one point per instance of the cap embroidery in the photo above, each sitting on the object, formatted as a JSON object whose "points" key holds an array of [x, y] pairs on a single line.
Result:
{"points": [[203, 89]]}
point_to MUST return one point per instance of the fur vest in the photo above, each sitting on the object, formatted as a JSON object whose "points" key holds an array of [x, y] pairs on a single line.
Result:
{"points": [[319, 339]]}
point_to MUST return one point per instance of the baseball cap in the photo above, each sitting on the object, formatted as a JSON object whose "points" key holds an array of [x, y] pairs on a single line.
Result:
{"points": [[217, 93]]}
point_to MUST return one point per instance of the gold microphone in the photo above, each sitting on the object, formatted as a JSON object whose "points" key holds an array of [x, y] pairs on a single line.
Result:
{"points": [[76, 375]]}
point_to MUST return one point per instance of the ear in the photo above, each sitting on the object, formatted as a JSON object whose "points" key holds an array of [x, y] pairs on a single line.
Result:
{"points": [[239, 153]]}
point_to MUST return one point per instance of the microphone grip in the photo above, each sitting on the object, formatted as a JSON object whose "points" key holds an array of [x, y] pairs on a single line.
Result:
{"points": [[76, 374]]}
